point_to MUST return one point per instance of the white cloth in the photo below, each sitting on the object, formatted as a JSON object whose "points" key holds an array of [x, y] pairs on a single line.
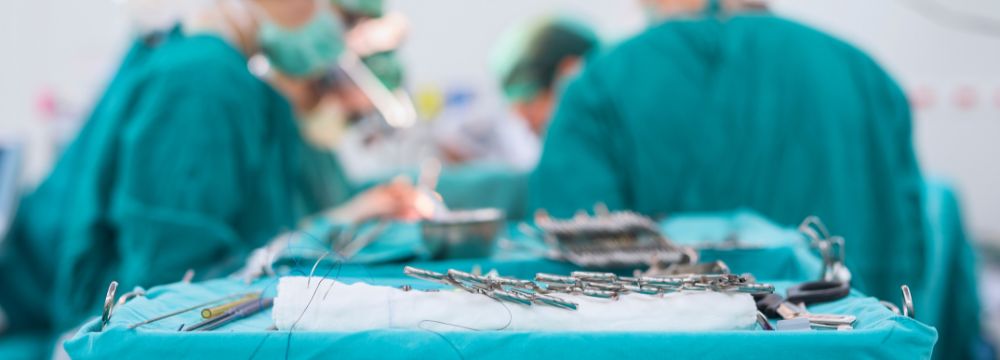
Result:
{"points": [[339, 307]]}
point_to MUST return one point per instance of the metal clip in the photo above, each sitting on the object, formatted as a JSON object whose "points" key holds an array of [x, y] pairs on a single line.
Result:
{"points": [[762, 321], [427, 275], [907, 302], [556, 279], [595, 276], [554, 301], [511, 296], [137, 292], [109, 304]]}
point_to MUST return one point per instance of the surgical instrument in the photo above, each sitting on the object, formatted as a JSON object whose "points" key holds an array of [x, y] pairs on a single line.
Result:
{"points": [[184, 310], [136, 292], [241, 311], [813, 292], [774, 305], [212, 312], [593, 284], [908, 310], [831, 249], [109, 304], [611, 240], [396, 109]]}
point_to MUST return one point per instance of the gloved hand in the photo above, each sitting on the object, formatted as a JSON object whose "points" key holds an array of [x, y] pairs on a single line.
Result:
{"points": [[395, 200]]}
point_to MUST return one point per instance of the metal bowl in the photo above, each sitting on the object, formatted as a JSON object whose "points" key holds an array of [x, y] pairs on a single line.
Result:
{"points": [[462, 233]]}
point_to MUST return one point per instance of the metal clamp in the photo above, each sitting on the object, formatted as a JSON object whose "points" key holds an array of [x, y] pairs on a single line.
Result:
{"points": [[831, 249], [109, 304], [907, 302], [136, 292], [592, 284]]}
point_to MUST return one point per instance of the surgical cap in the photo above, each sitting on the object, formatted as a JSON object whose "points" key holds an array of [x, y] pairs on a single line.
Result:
{"points": [[527, 57]]}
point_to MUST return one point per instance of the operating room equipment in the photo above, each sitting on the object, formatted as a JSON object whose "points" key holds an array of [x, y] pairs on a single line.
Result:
{"points": [[907, 308], [611, 240], [774, 305], [545, 289], [136, 292], [238, 312], [216, 311], [794, 324], [763, 323], [812, 292], [462, 233], [907, 302], [109, 304], [187, 309], [396, 108], [713, 267], [808, 293], [831, 249], [429, 204]]}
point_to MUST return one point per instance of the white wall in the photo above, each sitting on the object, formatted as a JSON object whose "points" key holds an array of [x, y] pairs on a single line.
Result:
{"points": [[70, 47], [935, 62], [63, 47]]}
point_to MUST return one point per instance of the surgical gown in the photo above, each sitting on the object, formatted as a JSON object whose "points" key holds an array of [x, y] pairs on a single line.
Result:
{"points": [[717, 113], [187, 161]]}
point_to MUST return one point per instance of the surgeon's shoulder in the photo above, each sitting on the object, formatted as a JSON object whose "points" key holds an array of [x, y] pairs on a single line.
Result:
{"points": [[794, 34], [604, 65], [203, 65]]}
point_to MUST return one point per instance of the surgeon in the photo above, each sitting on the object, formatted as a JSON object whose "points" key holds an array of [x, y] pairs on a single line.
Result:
{"points": [[533, 63], [722, 105], [188, 161]]}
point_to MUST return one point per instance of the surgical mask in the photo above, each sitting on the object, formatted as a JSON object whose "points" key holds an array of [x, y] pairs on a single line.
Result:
{"points": [[307, 50]]}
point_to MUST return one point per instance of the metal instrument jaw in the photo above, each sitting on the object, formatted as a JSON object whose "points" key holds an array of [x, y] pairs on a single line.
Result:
{"points": [[777, 305], [831, 249], [908, 310], [109, 304]]}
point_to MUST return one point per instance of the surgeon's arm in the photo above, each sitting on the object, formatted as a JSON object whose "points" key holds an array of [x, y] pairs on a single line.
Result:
{"points": [[581, 162]]}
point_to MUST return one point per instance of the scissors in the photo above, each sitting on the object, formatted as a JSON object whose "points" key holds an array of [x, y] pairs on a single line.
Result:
{"points": [[773, 305], [814, 292]]}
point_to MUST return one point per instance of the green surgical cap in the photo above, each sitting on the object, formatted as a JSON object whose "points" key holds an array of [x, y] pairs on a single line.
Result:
{"points": [[370, 8], [387, 68], [527, 56]]}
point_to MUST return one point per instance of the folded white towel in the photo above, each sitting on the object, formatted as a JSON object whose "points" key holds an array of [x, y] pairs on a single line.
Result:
{"points": [[327, 305]]}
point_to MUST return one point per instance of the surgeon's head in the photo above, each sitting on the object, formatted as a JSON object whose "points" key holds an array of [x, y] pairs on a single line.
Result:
{"points": [[534, 61], [300, 38]]}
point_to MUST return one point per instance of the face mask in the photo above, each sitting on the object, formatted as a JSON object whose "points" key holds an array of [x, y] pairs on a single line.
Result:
{"points": [[307, 50]]}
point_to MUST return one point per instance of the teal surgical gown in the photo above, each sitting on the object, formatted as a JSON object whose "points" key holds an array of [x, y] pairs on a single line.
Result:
{"points": [[187, 161], [717, 113]]}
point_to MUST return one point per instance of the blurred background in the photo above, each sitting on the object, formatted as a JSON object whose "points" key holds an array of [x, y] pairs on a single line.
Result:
{"points": [[58, 54]]}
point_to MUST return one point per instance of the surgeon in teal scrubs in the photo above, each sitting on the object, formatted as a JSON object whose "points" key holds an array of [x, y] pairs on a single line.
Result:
{"points": [[721, 105], [188, 161]]}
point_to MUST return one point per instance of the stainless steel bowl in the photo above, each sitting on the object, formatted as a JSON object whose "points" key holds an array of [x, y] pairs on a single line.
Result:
{"points": [[463, 233]]}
